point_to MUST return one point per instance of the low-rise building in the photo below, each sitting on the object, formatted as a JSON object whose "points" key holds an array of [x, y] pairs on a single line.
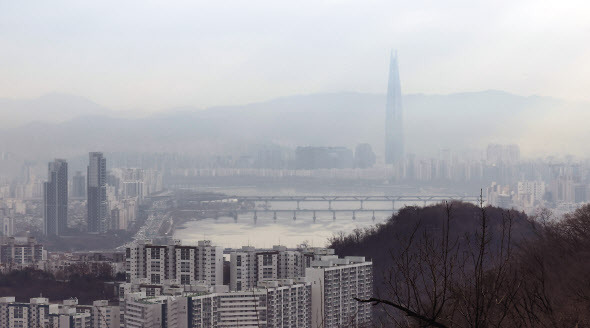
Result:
{"points": [[38, 312], [21, 252], [98, 263]]}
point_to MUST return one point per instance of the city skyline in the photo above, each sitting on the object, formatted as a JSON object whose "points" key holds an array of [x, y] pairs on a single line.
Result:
{"points": [[256, 164]]}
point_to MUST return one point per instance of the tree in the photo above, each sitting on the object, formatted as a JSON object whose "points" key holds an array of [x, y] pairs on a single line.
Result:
{"points": [[442, 279]]}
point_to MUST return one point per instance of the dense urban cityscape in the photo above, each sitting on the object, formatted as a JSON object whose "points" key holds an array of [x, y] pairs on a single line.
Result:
{"points": [[121, 220], [258, 165]]}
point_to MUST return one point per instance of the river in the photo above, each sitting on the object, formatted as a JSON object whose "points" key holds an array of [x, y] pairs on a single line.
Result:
{"points": [[266, 232]]}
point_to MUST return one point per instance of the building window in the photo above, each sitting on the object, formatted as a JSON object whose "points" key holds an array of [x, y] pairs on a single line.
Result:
{"points": [[185, 254], [185, 267], [267, 259], [155, 253], [155, 278], [18, 312], [267, 273], [155, 266], [185, 279]]}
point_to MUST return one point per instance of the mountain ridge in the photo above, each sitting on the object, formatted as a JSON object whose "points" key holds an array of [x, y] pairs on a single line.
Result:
{"points": [[346, 119]]}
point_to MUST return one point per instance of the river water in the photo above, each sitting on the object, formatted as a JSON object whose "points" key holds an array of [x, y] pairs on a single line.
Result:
{"points": [[266, 232]]}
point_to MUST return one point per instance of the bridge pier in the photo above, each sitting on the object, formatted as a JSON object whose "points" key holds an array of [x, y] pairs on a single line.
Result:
{"points": [[314, 217], [373, 216], [294, 215], [298, 205], [255, 216], [424, 203], [393, 205], [362, 204], [330, 205], [334, 215], [235, 215], [353, 215], [274, 216]]}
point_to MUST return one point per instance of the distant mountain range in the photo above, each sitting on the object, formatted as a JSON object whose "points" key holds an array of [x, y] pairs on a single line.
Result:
{"points": [[62, 125], [50, 108]]}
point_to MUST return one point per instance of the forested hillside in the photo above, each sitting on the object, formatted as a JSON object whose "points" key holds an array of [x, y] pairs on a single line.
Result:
{"points": [[460, 265]]}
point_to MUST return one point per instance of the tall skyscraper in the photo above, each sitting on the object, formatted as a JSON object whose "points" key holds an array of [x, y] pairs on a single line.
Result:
{"points": [[55, 198], [79, 186], [97, 193], [394, 134]]}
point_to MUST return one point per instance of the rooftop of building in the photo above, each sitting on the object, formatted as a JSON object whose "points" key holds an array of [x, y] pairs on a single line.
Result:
{"points": [[328, 261], [173, 242], [281, 248]]}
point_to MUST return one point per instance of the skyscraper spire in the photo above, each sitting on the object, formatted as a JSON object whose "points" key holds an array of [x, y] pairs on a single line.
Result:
{"points": [[394, 134]]}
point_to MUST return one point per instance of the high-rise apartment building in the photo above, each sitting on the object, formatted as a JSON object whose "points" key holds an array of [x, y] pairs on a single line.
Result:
{"points": [[274, 304], [98, 215], [250, 266], [394, 134], [335, 283], [162, 288], [174, 263], [55, 199], [530, 192], [156, 312]]}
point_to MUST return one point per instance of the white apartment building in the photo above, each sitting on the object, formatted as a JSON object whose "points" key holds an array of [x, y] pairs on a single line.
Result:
{"points": [[250, 266], [274, 304], [39, 313], [141, 312], [499, 195], [158, 293], [155, 312], [174, 263], [335, 282], [19, 252], [234, 309], [529, 192], [103, 315], [288, 303]]}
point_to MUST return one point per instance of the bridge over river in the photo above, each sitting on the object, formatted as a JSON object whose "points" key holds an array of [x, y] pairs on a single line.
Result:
{"points": [[321, 204]]}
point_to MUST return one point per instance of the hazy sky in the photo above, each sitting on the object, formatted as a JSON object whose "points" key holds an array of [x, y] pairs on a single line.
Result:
{"points": [[157, 54]]}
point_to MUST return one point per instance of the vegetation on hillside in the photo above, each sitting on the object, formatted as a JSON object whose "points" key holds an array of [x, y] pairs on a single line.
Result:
{"points": [[80, 283], [461, 265]]}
